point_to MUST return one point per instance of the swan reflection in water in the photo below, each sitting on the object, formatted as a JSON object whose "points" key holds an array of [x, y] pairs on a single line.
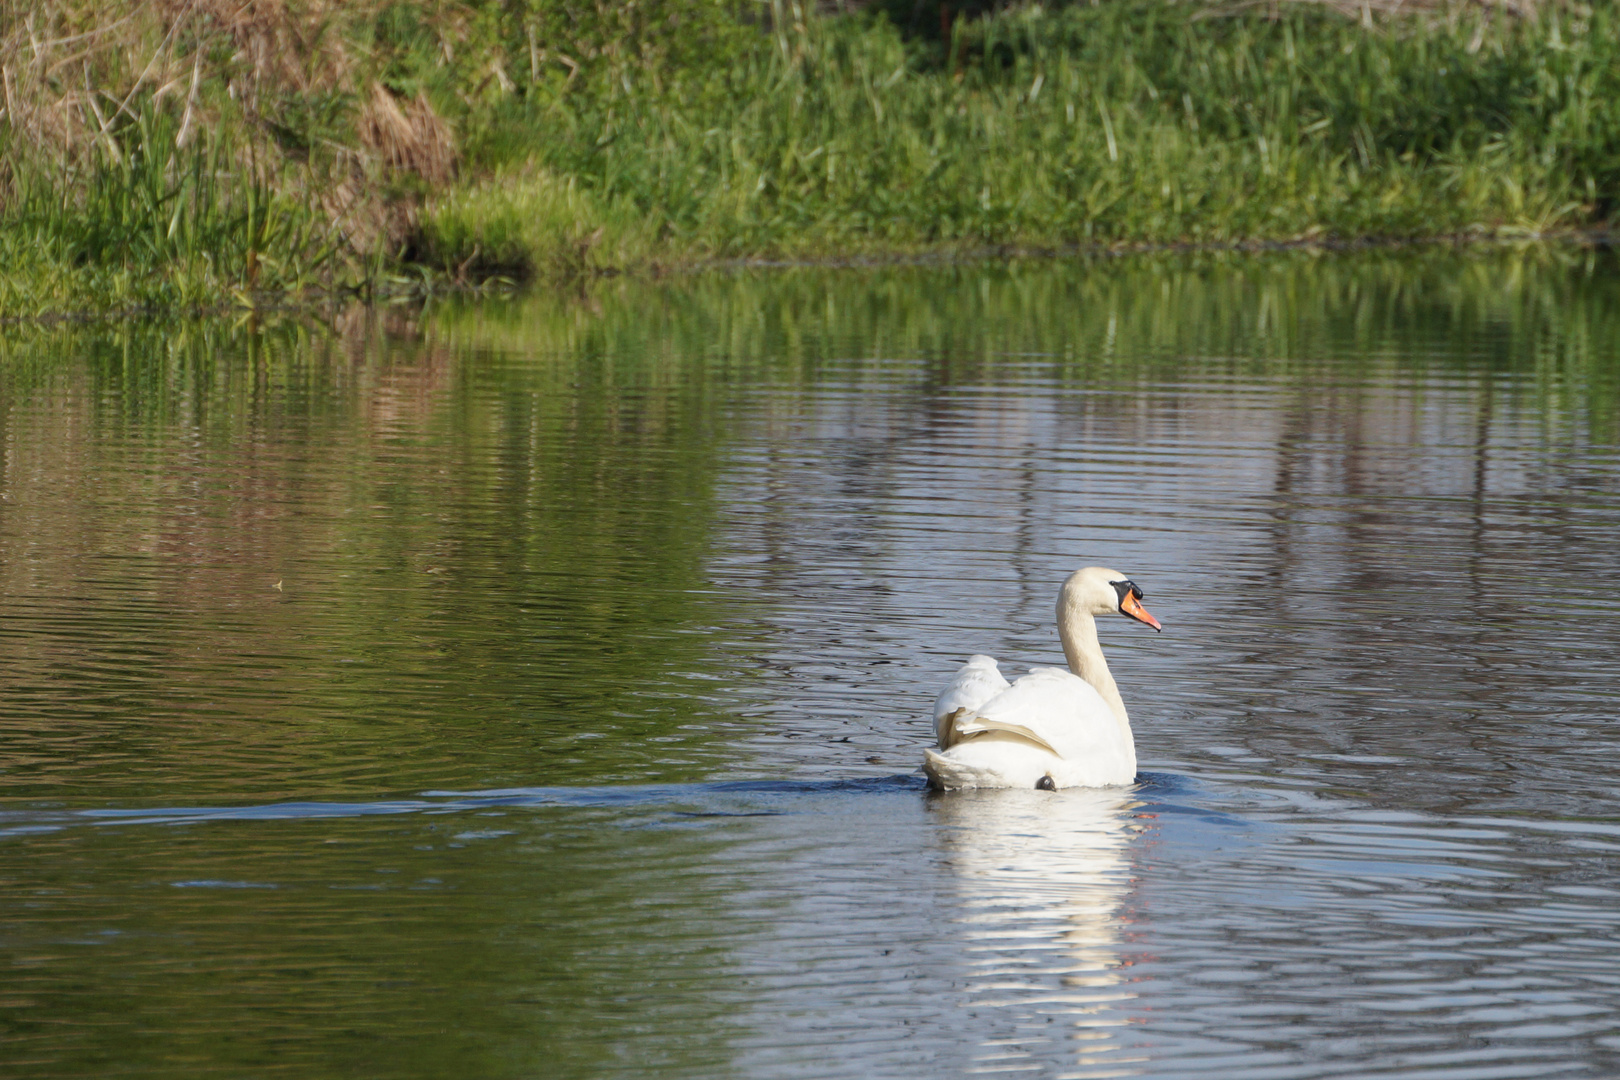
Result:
{"points": [[1044, 880]]}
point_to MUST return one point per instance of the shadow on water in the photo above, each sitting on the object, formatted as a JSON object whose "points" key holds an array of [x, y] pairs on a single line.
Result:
{"points": [[741, 798], [737, 798]]}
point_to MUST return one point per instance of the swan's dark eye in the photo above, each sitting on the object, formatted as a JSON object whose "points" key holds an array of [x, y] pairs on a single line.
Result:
{"points": [[1126, 588]]}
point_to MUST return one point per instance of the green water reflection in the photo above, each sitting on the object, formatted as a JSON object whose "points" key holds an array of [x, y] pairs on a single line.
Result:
{"points": [[438, 947], [264, 563]]}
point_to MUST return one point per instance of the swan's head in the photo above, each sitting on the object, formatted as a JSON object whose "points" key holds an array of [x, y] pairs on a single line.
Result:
{"points": [[1097, 590]]}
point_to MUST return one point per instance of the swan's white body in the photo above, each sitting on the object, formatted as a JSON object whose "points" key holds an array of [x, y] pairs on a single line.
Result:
{"points": [[1051, 728], [1048, 723]]}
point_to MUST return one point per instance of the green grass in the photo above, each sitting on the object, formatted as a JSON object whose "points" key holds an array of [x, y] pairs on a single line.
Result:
{"points": [[158, 228], [669, 134], [518, 225], [1112, 125]]}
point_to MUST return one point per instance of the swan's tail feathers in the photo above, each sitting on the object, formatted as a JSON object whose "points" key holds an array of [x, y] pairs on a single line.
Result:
{"points": [[964, 726], [947, 774], [949, 733], [975, 683]]}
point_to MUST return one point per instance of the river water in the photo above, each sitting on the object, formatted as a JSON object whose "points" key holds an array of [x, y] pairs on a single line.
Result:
{"points": [[536, 688]]}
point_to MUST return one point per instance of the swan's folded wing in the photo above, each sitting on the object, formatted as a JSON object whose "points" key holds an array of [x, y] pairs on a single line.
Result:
{"points": [[1050, 707], [975, 683]]}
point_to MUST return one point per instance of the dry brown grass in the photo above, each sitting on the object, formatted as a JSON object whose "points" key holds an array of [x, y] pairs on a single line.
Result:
{"points": [[408, 135], [76, 74]]}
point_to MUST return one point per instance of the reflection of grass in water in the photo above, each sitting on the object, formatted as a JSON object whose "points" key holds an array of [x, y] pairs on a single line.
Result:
{"points": [[494, 522], [1544, 315], [484, 556]]}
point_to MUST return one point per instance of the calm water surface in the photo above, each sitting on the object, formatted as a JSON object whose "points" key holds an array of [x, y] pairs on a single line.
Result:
{"points": [[536, 689]]}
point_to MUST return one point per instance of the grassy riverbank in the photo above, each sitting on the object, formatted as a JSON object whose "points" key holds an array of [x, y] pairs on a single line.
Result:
{"points": [[194, 154]]}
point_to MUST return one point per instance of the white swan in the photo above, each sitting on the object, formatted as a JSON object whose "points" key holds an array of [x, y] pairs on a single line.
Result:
{"points": [[1051, 729]]}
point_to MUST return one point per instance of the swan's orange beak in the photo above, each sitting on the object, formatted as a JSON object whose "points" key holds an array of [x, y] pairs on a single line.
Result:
{"points": [[1131, 606]]}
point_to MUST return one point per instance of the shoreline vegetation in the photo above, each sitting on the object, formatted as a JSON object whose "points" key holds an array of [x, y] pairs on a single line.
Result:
{"points": [[184, 155]]}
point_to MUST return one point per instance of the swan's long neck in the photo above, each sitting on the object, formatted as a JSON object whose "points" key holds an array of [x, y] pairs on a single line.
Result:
{"points": [[1080, 647]]}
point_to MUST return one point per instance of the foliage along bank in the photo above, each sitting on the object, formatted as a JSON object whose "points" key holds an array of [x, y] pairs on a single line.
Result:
{"points": [[194, 153]]}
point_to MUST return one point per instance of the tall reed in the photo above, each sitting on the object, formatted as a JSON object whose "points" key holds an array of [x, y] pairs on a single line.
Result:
{"points": [[157, 227]]}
